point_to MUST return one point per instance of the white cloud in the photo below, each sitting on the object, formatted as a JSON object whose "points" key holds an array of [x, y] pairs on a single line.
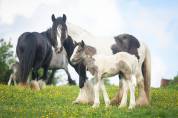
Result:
{"points": [[98, 16]]}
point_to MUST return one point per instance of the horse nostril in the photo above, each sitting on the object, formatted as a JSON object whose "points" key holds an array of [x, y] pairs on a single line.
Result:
{"points": [[61, 49], [58, 50]]}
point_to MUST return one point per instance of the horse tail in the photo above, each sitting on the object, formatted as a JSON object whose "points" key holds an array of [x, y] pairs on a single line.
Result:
{"points": [[27, 58], [146, 68]]}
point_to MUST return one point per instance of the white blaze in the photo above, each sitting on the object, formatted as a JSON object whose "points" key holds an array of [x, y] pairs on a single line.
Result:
{"points": [[59, 36]]}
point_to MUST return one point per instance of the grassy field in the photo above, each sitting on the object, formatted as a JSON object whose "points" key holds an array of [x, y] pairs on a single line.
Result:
{"points": [[57, 102]]}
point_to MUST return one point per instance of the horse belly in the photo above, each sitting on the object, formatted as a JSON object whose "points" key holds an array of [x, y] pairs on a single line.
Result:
{"points": [[58, 61], [110, 71]]}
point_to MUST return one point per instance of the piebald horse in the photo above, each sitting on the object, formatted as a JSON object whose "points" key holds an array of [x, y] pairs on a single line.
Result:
{"points": [[34, 50], [69, 44], [130, 44], [101, 66]]}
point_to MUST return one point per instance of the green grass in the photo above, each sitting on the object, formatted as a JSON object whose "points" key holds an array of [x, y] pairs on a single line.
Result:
{"points": [[57, 102]]}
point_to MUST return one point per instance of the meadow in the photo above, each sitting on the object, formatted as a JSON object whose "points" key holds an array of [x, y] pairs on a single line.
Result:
{"points": [[56, 101]]}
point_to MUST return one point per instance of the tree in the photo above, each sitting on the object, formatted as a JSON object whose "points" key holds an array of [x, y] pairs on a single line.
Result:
{"points": [[6, 59]]}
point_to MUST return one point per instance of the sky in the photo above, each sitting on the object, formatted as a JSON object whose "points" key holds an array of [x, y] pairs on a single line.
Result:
{"points": [[154, 22]]}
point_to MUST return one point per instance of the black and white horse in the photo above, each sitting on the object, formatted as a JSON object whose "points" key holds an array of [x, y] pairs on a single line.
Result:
{"points": [[103, 66], [128, 43], [34, 50], [69, 44], [139, 49]]}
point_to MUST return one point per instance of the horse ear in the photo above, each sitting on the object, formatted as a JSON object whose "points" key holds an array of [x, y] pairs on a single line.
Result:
{"points": [[53, 17], [82, 43], [64, 18]]}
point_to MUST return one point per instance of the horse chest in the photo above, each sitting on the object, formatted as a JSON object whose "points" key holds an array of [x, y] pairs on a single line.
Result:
{"points": [[58, 60]]}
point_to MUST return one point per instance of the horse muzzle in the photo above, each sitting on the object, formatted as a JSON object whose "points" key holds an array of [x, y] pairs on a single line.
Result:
{"points": [[74, 61], [58, 50]]}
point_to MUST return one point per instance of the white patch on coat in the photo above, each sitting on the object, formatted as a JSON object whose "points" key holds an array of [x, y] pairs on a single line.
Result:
{"points": [[86, 94], [59, 60], [74, 53], [141, 53], [124, 97], [59, 36]]}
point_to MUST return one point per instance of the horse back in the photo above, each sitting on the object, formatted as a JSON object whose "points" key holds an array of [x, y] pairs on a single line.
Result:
{"points": [[35, 40]]}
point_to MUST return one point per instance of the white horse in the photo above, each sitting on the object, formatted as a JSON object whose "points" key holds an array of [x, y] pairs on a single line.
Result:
{"points": [[106, 66]]}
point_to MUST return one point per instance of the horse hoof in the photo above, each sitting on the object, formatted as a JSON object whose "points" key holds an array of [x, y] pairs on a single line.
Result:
{"points": [[107, 106], [95, 105], [34, 85], [75, 102], [23, 85], [142, 102], [131, 106], [41, 84], [115, 102], [122, 105]]}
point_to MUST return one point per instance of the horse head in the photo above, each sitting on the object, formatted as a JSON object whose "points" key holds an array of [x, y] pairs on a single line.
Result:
{"points": [[59, 32], [78, 53]]}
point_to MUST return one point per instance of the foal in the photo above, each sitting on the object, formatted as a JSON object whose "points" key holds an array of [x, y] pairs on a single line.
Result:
{"points": [[106, 66]]}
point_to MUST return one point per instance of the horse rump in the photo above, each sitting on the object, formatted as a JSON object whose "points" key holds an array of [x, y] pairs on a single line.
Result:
{"points": [[25, 50]]}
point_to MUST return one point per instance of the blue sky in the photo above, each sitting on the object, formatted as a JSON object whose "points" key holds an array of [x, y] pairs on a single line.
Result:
{"points": [[153, 21]]}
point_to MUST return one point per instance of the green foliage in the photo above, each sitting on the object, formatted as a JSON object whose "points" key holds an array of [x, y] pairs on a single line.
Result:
{"points": [[56, 102], [174, 83], [6, 59]]}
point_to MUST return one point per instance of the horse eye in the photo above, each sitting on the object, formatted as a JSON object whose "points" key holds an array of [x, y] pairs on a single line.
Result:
{"points": [[79, 50]]}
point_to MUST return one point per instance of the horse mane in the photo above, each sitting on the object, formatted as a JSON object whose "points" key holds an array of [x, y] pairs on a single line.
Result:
{"points": [[133, 42], [89, 50], [126, 43], [114, 48], [69, 45], [47, 33]]}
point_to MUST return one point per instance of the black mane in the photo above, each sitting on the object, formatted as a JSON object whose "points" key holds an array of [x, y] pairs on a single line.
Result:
{"points": [[69, 45], [126, 43]]}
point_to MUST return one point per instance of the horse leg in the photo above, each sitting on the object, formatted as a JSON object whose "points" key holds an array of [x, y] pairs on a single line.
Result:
{"points": [[71, 82], [81, 70], [14, 79], [50, 79], [34, 74], [10, 79], [86, 94], [132, 85], [142, 99], [96, 92], [45, 74], [124, 97], [117, 99], [105, 94]]}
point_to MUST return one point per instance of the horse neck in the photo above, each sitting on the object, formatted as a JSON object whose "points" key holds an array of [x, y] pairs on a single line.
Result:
{"points": [[69, 46], [47, 34], [89, 62]]}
